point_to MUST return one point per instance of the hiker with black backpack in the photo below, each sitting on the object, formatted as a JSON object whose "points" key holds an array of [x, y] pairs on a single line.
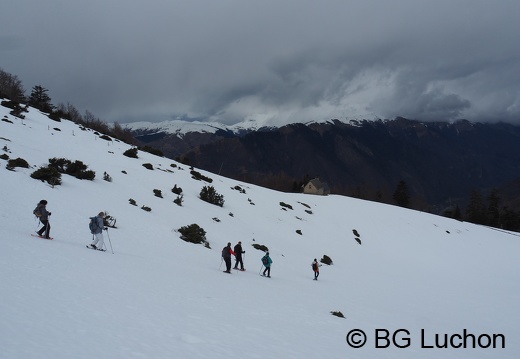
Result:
{"points": [[96, 225], [316, 268], [267, 261], [238, 256], [226, 255], [43, 215]]}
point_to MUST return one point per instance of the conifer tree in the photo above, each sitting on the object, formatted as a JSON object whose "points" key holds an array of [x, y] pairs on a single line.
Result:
{"points": [[40, 100], [475, 211], [493, 210], [401, 195]]}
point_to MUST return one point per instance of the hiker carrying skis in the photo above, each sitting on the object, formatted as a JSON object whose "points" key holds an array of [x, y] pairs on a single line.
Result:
{"points": [[96, 229], [226, 255], [267, 261], [238, 256], [316, 268], [43, 215]]}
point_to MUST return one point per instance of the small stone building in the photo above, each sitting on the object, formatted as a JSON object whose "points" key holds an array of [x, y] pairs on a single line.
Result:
{"points": [[315, 186]]}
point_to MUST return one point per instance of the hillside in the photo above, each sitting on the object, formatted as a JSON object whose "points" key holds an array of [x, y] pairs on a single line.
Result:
{"points": [[441, 162], [157, 296]]}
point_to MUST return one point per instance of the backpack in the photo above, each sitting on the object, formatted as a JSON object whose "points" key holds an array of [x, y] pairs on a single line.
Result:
{"points": [[314, 265], [265, 261], [93, 224], [36, 211]]}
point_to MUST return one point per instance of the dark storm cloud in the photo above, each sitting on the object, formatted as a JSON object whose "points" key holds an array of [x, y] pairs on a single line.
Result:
{"points": [[277, 61]]}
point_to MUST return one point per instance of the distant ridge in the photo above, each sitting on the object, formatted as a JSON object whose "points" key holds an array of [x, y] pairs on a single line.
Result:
{"points": [[440, 161]]}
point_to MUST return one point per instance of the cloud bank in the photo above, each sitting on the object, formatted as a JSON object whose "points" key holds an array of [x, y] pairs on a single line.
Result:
{"points": [[275, 61]]}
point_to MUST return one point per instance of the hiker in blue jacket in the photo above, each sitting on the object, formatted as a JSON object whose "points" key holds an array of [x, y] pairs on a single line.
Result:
{"points": [[97, 231], [267, 261]]}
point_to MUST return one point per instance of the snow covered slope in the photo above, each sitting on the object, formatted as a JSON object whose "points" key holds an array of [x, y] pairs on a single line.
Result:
{"points": [[157, 296]]}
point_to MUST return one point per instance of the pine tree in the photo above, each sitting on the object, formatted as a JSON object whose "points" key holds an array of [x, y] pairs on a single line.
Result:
{"points": [[493, 210], [401, 195], [40, 100], [475, 211]]}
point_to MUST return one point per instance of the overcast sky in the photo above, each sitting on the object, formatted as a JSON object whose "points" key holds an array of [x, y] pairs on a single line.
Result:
{"points": [[278, 61]]}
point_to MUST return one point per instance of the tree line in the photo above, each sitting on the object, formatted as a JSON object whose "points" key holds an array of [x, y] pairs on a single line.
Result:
{"points": [[481, 209], [11, 88]]}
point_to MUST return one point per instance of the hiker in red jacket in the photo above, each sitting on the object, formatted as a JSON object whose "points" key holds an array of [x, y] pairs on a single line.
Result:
{"points": [[226, 255], [316, 268]]}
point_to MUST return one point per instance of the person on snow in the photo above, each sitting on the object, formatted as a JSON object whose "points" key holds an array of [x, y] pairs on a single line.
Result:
{"points": [[238, 256], [316, 268], [267, 261], [98, 225], [226, 255], [43, 215]]}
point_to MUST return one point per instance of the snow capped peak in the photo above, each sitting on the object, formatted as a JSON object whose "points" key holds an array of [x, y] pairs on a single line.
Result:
{"points": [[181, 127]]}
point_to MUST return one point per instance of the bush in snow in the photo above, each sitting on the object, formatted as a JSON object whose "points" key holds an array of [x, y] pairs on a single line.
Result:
{"points": [[54, 116], [285, 205], [4, 156], [210, 195], [178, 201], [132, 152], [194, 234], [261, 247], [148, 166], [326, 260], [145, 208], [157, 193], [239, 189], [48, 174], [200, 177], [76, 169], [337, 314], [17, 162], [176, 190], [107, 177], [132, 202]]}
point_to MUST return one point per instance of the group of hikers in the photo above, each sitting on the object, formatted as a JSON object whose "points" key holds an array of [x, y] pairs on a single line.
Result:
{"points": [[237, 251], [97, 224]]}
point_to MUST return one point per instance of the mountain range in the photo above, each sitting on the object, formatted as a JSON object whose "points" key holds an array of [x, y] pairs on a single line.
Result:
{"points": [[440, 162]]}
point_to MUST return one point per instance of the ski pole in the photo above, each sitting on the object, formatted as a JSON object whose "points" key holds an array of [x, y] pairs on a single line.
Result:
{"points": [[221, 260], [47, 229], [261, 269], [109, 241]]}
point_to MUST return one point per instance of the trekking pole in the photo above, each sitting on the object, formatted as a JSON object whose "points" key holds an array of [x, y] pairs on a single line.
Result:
{"points": [[221, 260], [109, 241], [47, 229], [261, 269]]}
